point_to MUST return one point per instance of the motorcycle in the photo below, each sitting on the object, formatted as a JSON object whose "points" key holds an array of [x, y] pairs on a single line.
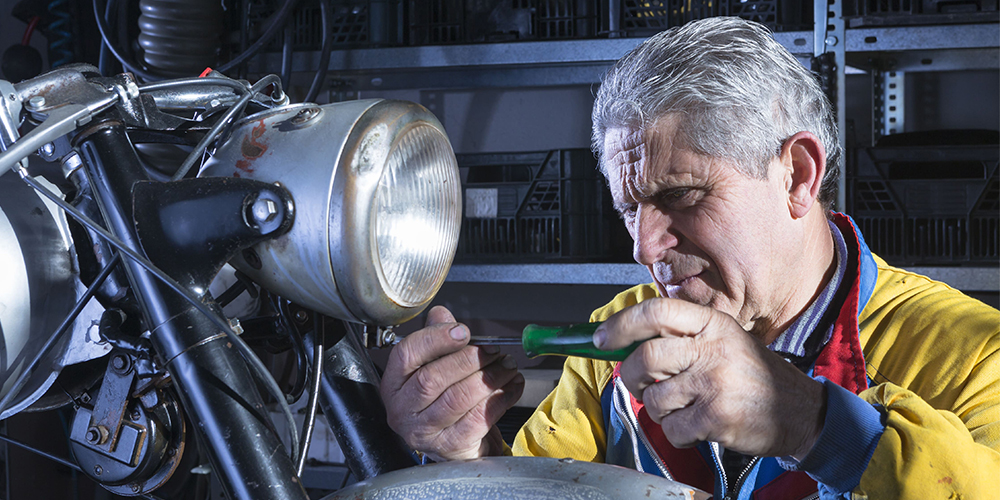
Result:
{"points": [[146, 213]]}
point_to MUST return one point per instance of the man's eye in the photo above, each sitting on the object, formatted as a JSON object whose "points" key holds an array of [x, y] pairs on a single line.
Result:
{"points": [[628, 212], [677, 197]]}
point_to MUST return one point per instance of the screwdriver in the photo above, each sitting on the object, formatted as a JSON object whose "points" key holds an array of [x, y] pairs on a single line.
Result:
{"points": [[571, 340]]}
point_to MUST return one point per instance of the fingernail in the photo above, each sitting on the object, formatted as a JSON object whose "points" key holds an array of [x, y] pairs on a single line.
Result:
{"points": [[458, 332], [490, 349], [600, 336], [508, 362]]}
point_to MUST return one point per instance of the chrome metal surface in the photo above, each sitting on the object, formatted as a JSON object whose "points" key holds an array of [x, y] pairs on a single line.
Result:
{"points": [[509, 478], [37, 291], [497, 341], [331, 164]]}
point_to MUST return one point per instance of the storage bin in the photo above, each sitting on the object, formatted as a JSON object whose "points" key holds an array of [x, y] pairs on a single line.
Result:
{"points": [[538, 207], [930, 204]]}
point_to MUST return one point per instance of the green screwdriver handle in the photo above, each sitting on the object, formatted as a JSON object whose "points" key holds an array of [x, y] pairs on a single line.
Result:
{"points": [[572, 340]]}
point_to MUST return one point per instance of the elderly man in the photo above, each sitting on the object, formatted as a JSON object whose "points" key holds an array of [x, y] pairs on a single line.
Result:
{"points": [[781, 357]]}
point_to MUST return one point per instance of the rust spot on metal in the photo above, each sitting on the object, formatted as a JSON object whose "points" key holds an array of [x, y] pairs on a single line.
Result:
{"points": [[252, 147], [243, 165]]}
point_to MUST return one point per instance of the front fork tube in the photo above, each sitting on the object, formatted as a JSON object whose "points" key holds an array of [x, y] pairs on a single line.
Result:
{"points": [[213, 381], [349, 396]]}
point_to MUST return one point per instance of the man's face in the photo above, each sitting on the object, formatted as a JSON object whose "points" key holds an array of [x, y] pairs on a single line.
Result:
{"points": [[707, 232]]}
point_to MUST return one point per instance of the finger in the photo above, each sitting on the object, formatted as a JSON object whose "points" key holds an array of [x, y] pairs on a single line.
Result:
{"points": [[428, 383], [676, 393], [460, 398], [686, 427], [661, 317], [657, 360], [486, 414], [420, 348]]}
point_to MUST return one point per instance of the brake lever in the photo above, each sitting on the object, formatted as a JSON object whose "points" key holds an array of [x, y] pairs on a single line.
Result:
{"points": [[61, 121]]}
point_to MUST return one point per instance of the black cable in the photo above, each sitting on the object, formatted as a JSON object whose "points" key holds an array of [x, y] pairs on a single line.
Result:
{"points": [[104, 62], [257, 367], [272, 29], [286, 59], [276, 22], [126, 64], [326, 12]]}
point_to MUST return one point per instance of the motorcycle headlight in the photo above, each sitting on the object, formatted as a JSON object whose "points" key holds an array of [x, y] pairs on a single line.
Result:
{"points": [[377, 199]]}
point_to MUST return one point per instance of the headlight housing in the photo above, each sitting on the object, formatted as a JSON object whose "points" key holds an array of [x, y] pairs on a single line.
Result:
{"points": [[377, 199]]}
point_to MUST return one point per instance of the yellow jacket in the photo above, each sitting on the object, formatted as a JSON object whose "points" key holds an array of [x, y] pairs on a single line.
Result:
{"points": [[931, 354]]}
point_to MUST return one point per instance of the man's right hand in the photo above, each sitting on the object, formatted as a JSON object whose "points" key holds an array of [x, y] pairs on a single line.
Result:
{"points": [[444, 396]]}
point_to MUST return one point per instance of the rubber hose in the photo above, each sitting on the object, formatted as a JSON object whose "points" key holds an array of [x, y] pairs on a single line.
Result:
{"points": [[180, 37]]}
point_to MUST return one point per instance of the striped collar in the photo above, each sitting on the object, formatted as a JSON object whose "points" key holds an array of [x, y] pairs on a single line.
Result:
{"points": [[793, 340]]}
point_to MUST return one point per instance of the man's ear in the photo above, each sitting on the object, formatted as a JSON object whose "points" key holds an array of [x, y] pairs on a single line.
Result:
{"points": [[805, 159]]}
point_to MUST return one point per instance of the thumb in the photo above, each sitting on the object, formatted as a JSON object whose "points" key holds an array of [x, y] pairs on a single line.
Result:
{"points": [[438, 315]]}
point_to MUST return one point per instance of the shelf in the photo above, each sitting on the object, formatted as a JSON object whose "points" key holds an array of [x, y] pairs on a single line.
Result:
{"points": [[920, 38], [925, 48], [964, 278], [510, 64]]}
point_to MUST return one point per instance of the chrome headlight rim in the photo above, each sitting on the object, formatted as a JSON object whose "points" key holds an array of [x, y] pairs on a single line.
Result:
{"points": [[354, 250]]}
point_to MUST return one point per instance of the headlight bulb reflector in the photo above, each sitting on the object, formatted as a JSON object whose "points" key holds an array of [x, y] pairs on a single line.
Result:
{"points": [[418, 215]]}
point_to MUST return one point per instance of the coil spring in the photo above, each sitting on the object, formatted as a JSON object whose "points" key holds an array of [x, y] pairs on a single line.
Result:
{"points": [[60, 34]]}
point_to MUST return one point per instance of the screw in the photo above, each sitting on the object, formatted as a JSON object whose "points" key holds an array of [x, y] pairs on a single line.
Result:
{"points": [[264, 210], [98, 470], [388, 337], [135, 414], [253, 260], [135, 488], [831, 40], [171, 452], [301, 316], [93, 435], [36, 102]]}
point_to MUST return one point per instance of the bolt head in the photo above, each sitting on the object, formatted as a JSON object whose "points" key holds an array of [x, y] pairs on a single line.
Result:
{"points": [[135, 415], [98, 470], [264, 210], [119, 362], [47, 149], [36, 102]]}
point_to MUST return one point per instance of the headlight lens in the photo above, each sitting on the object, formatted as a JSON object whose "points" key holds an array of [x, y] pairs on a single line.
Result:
{"points": [[418, 215]]}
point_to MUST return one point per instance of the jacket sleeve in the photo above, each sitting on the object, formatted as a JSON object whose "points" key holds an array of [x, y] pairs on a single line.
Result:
{"points": [[928, 453], [933, 355], [569, 423]]}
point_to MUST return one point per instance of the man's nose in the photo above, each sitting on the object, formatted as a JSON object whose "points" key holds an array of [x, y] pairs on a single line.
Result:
{"points": [[652, 235]]}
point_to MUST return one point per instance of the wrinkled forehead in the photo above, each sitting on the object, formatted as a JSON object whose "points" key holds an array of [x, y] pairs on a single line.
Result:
{"points": [[633, 156]]}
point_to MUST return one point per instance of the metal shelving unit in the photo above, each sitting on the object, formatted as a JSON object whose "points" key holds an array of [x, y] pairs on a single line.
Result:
{"points": [[583, 62]]}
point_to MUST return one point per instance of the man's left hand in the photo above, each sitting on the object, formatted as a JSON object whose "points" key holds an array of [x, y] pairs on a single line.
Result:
{"points": [[703, 378]]}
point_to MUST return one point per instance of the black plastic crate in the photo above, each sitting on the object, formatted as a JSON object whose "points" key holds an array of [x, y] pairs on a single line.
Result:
{"points": [[909, 12], [924, 205], [538, 207], [434, 22], [644, 18], [778, 15], [356, 23]]}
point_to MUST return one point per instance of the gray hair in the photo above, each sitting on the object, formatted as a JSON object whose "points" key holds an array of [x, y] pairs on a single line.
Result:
{"points": [[739, 94]]}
